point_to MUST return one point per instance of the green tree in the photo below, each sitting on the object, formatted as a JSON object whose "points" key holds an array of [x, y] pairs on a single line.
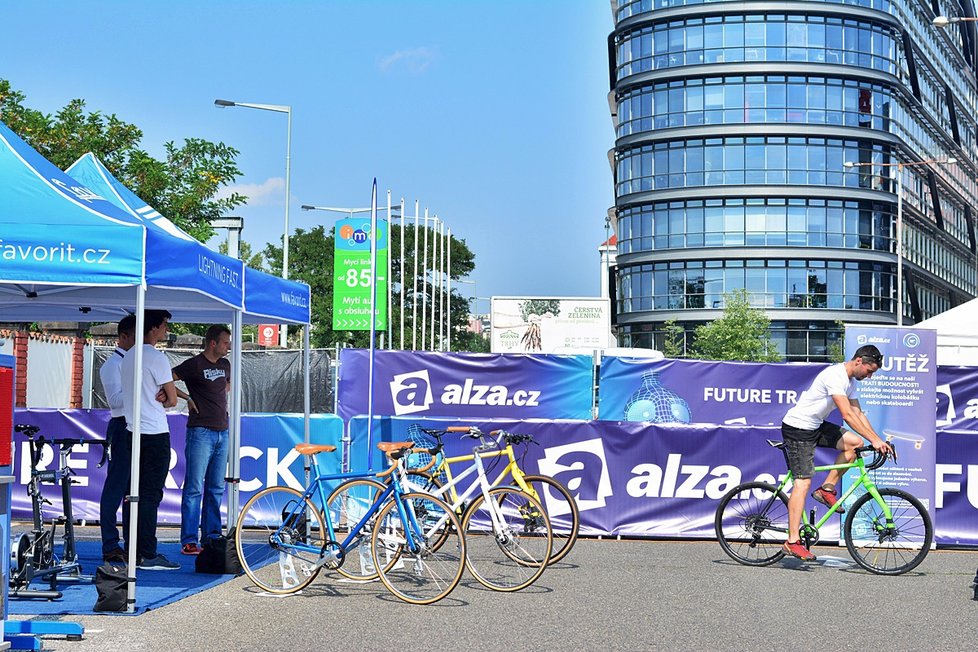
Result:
{"points": [[742, 333], [837, 347], [673, 339], [251, 258], [311, 260], [183, 187]]}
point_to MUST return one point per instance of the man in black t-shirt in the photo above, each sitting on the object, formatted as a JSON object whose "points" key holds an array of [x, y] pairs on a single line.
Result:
{"points": [[208, 379]]}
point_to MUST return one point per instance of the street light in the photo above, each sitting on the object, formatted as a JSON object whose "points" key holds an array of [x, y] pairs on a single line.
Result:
{"points": [[276, 108], [899, 191]]}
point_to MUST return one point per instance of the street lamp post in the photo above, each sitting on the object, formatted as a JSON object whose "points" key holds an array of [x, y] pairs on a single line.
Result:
{"points": [[276, 108], [899, 225]]}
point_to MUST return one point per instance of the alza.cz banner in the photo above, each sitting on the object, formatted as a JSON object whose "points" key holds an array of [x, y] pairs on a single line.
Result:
{"points": [[466, 385]]}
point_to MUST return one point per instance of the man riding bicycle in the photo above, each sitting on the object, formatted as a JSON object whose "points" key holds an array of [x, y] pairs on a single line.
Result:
{"points": [[804, 427]]}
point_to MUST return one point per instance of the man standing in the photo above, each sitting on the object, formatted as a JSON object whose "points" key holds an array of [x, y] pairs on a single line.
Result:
{"points": [[804, 427], [208, 379], [154, 442], [120, 448]]}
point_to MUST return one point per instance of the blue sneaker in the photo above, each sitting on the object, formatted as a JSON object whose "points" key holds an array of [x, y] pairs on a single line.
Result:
{"points": [[159, 562]]}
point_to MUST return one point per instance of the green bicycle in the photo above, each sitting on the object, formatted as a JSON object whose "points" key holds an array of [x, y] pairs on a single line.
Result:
{"points": [[887, 531]]}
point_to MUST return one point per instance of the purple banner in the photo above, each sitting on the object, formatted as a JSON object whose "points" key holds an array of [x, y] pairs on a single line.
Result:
{"points": [[473, 385], [956, 488], [267, 457], [628, 478], [694, 391], [957, 398]]}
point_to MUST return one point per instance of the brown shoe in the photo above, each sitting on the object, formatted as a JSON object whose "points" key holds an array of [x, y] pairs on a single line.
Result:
{"points": [[798, 550]]}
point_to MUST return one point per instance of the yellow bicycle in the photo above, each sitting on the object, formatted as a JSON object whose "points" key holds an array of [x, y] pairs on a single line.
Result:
{"points": [[436, 472]]}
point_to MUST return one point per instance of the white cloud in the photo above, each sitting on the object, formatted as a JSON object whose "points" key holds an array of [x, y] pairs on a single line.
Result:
{"points": [[266, 193], [416, 60]]}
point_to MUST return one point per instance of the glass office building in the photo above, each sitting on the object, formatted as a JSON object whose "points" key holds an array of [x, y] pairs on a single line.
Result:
{"points": [[758, 146]]}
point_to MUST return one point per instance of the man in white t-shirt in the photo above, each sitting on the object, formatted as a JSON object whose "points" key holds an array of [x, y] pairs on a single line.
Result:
{"points": [[154, 440], [804, 427]]}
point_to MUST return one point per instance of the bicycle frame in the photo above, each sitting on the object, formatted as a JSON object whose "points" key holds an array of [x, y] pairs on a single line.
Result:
{"points": [[483, 484], [413, 530], [862, 481], [512, 468]]}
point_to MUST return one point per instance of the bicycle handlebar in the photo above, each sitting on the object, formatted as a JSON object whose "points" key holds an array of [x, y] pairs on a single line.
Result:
{"points": [[879, 459]]}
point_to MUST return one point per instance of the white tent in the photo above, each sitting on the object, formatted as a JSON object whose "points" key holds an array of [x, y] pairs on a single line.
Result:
{"points": [[957, 335], [66, 253]]}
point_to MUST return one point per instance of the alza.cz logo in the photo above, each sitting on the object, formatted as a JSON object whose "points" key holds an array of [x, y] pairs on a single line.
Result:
{"points": [[411, 392]]}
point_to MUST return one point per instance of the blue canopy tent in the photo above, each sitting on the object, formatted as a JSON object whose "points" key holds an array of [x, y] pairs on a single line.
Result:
{"points": [[266, 297], [66, 253]]}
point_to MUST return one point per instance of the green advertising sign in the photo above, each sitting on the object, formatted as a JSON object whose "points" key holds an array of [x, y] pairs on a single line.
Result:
{"points": [[352, 280]]}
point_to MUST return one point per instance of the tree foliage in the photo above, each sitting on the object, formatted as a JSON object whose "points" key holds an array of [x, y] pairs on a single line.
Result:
{"points": [[311, 260], [183, 187], [673, 336], [742, 333]]}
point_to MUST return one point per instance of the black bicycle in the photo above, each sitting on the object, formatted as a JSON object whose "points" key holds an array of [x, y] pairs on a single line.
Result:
{"points": [[33, 555]]}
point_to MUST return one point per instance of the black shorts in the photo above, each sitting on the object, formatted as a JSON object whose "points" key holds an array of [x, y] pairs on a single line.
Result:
{"points": [[800, 445]]}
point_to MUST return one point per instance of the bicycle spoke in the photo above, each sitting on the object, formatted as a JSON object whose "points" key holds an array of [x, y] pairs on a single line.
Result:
{"points": [[508, 539], [411, 567], [750, 526], [888, 547], [279, 536]]}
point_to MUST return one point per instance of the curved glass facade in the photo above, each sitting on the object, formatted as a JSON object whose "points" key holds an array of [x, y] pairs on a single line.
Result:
{"points": [[766, 222], [732, 173], [757, 37]]}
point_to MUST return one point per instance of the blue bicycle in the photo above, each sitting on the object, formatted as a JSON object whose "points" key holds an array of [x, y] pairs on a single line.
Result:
{"points": [[362, 530]]}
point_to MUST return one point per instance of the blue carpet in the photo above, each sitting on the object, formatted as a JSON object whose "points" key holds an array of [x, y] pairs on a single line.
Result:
{"points": [[153, 588]]}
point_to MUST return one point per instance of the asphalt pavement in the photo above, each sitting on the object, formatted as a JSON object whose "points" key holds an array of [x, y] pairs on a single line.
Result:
{"points": [[608, 594]]}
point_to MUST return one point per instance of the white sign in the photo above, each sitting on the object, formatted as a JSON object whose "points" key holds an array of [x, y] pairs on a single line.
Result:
{"points": [[550, 324]]}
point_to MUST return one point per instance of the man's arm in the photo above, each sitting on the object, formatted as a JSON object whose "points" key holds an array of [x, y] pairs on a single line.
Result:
{"points": [[856, 419], [170, 391], [112, 384]]}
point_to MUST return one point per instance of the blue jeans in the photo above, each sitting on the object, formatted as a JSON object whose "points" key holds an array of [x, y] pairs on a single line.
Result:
{"points": [[203, 488], [116, 483]]}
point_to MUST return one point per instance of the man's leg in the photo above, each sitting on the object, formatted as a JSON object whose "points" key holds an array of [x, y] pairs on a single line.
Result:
{"points": [[154, 463], [116, 482], [197, 453], [796, 507], [210, 524], [847, 446]]}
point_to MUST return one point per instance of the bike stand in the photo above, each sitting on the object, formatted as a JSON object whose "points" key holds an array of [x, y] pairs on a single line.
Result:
{"points": [[25, 634], [40, 594]]}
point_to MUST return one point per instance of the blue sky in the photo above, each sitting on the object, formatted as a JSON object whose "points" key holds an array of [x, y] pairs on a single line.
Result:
{"points": [[493, 114]]}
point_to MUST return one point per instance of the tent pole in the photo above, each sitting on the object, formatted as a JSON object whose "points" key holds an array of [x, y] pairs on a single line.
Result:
{"points": [[137, 379], [373, 324], [234, 441]]}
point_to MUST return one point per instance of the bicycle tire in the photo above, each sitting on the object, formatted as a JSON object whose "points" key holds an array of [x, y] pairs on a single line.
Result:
{"points": [[273, 567], [874, 547], [514, 557], [424, 575], [561, 509], [751, 529], [346, 505]]}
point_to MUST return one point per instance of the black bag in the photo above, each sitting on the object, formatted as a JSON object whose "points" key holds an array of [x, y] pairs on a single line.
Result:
{"points": [[218, 556], [112, 585]]}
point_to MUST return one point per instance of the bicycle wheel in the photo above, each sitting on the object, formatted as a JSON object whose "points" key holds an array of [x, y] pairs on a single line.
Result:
{"points": [[347, 505], [561, 509], [888, 548], [272, 541], [512, 554], [409, 567], [752, 523]]}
